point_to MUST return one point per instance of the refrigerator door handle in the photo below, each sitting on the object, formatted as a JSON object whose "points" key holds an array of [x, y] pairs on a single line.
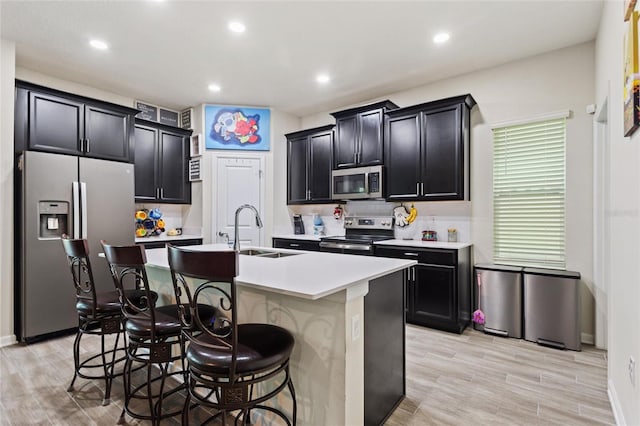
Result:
{"points": [[75, 187], [83, 198]]}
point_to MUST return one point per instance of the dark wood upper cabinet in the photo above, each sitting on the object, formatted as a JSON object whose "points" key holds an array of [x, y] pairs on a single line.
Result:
{"points": [[403, 132], [107, 133], [359, 135], [56, 124], [427, 150], [145, 161], [161, 163], [309, 161], [174, 158], [54, 121]]}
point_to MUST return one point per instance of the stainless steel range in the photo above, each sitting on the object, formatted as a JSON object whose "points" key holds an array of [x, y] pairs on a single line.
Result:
{"points": [[360, 234]]}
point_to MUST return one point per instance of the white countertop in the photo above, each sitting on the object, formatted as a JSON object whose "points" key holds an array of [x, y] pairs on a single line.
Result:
{"points": [[165, 237], [423, 244], [309, 275]]}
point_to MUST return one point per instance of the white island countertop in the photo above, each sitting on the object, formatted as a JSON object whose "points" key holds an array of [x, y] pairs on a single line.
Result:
{"points": [[309, 275]]}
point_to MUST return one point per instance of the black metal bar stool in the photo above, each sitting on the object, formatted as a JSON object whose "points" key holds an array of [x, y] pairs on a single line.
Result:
{"points": [[231, 366], [155, 341], [98, 314]]}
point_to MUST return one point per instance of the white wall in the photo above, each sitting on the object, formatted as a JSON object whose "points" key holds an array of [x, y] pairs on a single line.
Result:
{"points": [[559, 80], [622, 220], [7, 67]]}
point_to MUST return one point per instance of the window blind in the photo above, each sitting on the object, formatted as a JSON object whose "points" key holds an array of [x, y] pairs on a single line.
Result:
{"points": [[529, 194]]}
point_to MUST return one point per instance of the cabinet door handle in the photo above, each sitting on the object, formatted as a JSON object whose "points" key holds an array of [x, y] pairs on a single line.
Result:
{"points": [[417, 188], [87, 145], [421, 188], [157, 192], [161, 192], [411, 254], [294, 245]]}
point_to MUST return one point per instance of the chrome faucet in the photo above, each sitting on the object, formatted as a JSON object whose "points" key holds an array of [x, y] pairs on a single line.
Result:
{"points": [[236, 236]]}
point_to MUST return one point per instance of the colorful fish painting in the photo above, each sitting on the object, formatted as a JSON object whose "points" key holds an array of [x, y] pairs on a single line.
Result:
{"points": [[237, 128]]}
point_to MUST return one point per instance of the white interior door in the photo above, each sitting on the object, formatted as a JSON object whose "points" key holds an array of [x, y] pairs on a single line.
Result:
{"points": [[238, 181]]}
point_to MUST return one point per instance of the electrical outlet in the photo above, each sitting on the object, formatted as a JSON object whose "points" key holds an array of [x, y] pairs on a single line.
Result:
{"points": [[355, 327], [632, 371]]}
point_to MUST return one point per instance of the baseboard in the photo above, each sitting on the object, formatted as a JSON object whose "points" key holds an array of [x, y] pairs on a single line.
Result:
{"points": [[615, 404], [587, 339], [7, 340]]}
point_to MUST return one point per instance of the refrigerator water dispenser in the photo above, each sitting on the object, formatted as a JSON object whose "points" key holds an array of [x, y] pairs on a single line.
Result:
{"points": [[54, 219]]}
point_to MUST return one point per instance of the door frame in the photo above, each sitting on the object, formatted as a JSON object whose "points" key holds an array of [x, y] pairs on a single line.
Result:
{"points": [[601, 222], [215, 196]]}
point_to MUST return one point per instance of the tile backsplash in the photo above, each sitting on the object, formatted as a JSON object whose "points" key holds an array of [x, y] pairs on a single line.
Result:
{"points": [[435, 216], [171, 213]]}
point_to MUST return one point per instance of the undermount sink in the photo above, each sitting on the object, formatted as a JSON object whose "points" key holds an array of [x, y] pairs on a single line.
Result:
{"points": [[265, 253]]}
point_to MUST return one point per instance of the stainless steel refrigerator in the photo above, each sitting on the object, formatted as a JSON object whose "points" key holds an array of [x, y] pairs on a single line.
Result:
{"points": [[57, 194]]}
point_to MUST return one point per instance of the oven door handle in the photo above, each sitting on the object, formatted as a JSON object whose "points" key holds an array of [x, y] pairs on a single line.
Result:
{"points": [[330, 245]]}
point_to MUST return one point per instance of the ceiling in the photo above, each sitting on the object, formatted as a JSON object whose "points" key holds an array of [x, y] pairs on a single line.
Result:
{"points": [[168, 52]]}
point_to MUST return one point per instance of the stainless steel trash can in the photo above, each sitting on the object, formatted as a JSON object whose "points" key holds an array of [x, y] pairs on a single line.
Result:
{"points": [[552, 307], [499, 293]]}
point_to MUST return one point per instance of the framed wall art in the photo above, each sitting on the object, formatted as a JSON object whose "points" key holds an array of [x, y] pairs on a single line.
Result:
{"points": [[237, 128], [168, 117], [147, 111], [196, 148], [631, 88], [629, 5], [186, 118], [194, 170]]}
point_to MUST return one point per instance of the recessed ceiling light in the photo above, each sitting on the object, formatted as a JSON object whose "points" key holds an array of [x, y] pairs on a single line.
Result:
{"points": [[322, 78], [214, 87], [98, 44], [237, 27], [440, 38]]}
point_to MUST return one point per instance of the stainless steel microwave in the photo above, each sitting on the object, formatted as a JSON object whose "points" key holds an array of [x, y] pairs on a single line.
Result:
{"points": [[357, 183]]}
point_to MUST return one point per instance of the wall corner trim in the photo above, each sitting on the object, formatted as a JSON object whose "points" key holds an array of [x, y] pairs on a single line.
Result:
{"points": [[615, 404]]}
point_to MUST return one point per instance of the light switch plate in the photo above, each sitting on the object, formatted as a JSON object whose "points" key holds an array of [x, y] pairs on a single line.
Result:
{"points": [[355, 327]]}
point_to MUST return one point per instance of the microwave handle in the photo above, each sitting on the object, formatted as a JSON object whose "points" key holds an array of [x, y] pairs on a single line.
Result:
{"points": [[366, 182]]}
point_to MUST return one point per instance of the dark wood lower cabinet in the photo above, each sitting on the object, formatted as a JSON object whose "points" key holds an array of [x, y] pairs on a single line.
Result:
{"points": [[384, 348], [152, 244], [433, 294], [286, 243], [438, 292]]}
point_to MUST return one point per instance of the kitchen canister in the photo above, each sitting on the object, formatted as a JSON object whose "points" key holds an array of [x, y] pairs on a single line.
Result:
{"points": [[452, 235]]}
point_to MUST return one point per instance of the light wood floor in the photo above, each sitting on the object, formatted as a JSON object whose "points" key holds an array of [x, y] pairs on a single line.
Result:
{"points": [[478, 379], [452, 379]]}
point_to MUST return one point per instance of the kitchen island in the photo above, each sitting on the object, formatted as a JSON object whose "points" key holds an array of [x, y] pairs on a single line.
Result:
{"points": [[347, 316]]}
